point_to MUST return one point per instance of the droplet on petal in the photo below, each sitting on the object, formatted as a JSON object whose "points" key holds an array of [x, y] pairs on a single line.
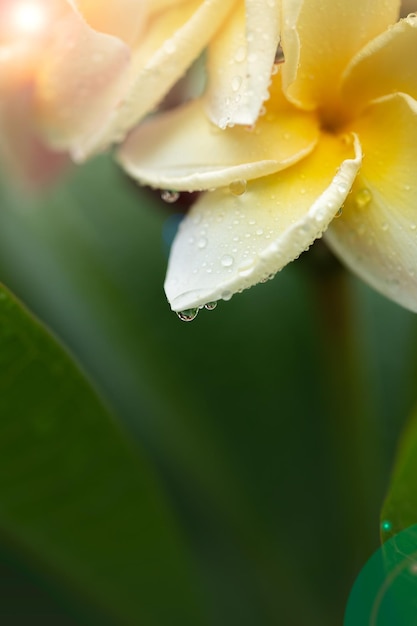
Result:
{"points": [[210, 306], [188, 315], [236, 83], [227, 260], [238, 187], [363, 198]]}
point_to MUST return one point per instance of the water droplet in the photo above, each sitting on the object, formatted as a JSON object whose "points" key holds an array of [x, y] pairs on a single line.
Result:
{"points": [[170, 196], [210, 306], [202, 243], [227, 260], [347, 139], [170, 46], [339, 213], [224, 122], [226, 295], [363, 198], [238, 187], [385, 226], [342, 188], [413, 226], [236, 83], [188, 315], [240, 54]]}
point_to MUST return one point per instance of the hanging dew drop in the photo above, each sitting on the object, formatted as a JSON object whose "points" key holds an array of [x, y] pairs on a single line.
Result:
{"points": [[210, 306], [188, 315], [170, 196]]}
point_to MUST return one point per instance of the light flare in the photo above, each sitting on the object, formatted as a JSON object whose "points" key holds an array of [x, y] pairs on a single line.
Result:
{"points": [[28, 18]]}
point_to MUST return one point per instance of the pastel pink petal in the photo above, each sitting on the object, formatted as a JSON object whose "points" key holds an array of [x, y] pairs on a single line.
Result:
{"points": [[81, 78], [174, 39]]}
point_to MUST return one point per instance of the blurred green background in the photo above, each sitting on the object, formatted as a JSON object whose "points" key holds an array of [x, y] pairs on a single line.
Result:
{"points": [[229, 471]]}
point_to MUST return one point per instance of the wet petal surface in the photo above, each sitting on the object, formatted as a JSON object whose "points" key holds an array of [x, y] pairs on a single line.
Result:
{"points": [[322, 38], [386, 65], [377, 233], [183, 150], [240, 60], [230, 242]]}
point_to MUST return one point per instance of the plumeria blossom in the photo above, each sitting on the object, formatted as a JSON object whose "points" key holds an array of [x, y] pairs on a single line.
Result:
{"points": [[75, 75], [332, 148]]}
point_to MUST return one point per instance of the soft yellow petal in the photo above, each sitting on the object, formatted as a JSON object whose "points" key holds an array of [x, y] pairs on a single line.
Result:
{"points": [[174, 39], [124, 19], [228, 242], [386, 65], [377, 233], [79, 81], [240, 61], [323, 37], [183, 150]]}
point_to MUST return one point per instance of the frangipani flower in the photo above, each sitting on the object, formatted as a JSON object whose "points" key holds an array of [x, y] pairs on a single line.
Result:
{"points": [[337, 139], [75, 75]]}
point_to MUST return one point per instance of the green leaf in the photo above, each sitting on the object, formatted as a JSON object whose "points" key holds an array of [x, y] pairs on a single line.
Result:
{"points": [[75, 494], [400, 506], [276, 463]]}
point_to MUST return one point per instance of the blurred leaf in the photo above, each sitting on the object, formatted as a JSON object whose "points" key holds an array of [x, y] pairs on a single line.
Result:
{"points": [[275, 462], [75, 494], [400, 507]]}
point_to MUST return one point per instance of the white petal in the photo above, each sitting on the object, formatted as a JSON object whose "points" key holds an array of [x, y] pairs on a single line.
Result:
{"points": [[183, 150], [240, 61], [228, 243], [377, 233]]}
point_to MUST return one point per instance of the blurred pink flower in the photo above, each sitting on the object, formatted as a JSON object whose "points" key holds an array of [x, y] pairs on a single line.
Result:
{"points": [[76, 75]]}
